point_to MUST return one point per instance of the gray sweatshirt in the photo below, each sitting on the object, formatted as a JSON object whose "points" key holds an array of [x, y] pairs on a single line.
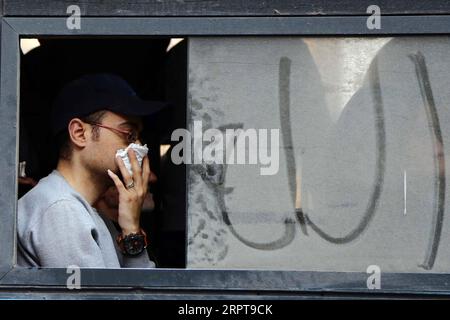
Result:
{"points": [[57, 228]]}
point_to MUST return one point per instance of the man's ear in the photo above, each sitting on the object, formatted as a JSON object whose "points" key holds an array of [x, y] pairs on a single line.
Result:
{"points": [[78, 132]]}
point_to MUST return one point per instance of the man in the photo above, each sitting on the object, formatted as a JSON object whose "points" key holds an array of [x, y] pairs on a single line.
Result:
{"points": [[58, 225]]}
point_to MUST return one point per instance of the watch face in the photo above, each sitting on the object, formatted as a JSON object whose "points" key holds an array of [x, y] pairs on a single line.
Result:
{"points": [[134, 244]]}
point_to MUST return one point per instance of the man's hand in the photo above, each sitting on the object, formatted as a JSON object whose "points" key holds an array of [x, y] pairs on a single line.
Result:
{"points": [[132, 192]]}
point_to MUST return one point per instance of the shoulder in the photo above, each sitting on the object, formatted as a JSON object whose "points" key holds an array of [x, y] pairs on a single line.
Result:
{"points": [[51, 194], [52, 202], [67, 215], [66, 209], [48, 190]]}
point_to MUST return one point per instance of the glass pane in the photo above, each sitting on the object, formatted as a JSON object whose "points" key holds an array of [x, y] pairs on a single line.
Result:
{"points": [[363, 126]]}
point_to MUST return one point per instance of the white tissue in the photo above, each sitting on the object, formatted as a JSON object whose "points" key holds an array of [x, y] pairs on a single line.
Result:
{"points": [[139, 150]]}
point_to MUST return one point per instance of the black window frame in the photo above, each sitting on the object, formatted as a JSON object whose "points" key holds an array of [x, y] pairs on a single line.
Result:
{"points": [[225, 282]]}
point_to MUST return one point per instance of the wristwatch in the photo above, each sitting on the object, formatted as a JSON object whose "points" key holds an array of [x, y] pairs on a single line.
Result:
{"points": [[132, 244]]}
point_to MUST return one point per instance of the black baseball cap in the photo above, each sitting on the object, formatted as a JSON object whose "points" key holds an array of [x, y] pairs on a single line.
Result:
{"points": [[95, 92]]}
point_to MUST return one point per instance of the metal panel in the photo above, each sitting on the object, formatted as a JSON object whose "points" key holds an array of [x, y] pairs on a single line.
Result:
{"points": [[231, 280], [8, 144], [137, 294], [220, 7], [184, 26], [251, 280], [161, 295]]}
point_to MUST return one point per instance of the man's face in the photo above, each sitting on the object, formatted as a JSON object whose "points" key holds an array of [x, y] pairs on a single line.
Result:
{"points": [[99, 154]]}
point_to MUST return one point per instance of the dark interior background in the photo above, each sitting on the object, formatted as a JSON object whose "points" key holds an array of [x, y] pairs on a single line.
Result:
{"points": [[155, 75]]}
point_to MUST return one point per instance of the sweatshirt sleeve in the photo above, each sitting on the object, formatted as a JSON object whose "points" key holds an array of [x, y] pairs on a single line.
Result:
{"points": [[65, 235], [141, 261]]}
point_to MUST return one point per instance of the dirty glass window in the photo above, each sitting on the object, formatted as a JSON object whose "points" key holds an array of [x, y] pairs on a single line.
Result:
{"points": [[352, 169]]}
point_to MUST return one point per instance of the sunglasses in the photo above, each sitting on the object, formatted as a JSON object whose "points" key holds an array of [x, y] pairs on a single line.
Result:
{"points": [[131, 136]]}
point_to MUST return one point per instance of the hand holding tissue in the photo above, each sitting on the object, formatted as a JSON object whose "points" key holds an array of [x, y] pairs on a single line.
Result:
{"points": [[139, 150]]}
